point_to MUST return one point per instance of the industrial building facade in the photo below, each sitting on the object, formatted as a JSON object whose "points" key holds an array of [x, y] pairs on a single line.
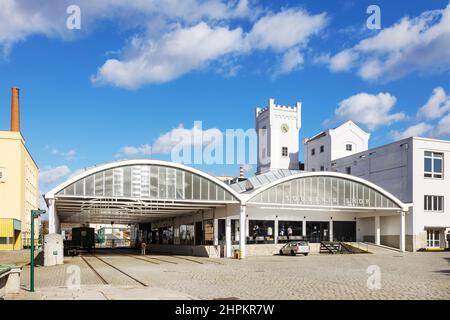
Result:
{"points": [[182, 210], [192, 212], [18, 184], [413, 169]]}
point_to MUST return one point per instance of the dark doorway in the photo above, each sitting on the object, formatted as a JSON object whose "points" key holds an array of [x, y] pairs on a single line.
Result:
{"points": [[199, 233], [221, 231], [344, 231], [317, 232]]}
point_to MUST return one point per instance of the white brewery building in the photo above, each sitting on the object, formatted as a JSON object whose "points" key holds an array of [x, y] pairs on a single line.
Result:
{"points": [[395, 195]]}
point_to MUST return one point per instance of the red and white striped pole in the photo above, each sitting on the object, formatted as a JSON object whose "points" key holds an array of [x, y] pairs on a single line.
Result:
{"points": [[241, 172]]}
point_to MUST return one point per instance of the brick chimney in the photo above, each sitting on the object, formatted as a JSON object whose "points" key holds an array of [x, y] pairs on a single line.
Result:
{"points": [[15, 112]]}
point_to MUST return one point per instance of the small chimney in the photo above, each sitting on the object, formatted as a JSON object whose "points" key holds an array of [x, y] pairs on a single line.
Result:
{"points": [[15, 112], [241, 172]]}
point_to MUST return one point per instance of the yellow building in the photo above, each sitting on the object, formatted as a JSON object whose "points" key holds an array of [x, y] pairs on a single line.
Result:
{"points": [[19, 190]]}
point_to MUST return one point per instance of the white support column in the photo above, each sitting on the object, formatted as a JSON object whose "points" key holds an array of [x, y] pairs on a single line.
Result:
{"points": [[228, 237], [276, 232], [331, 230], [216, 231], [51, 217], [247, 227], [304, 228], [57, 223], [242, 233], [377, 231], [403, 231]]}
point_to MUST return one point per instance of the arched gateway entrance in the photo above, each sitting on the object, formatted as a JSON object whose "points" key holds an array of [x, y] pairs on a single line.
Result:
{"points": [[318, 206]]}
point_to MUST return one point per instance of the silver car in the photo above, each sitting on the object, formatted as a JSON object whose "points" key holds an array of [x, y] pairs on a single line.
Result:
{"points": [[294, 248]]}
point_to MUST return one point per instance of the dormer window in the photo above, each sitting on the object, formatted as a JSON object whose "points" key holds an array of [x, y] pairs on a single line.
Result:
{"points": [[349, 147]]}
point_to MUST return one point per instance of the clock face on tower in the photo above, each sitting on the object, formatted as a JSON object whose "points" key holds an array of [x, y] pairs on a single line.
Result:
{"points": [[284, 128]]}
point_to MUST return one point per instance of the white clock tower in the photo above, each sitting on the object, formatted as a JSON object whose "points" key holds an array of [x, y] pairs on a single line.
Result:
{"points": [[278, 129]]}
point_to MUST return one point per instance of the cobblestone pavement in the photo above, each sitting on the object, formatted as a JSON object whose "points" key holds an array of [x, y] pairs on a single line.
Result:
{"points": [[403, 276]]}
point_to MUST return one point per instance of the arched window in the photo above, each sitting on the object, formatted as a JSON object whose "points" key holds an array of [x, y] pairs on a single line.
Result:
{"points": [[323, 190], [148, 182]]}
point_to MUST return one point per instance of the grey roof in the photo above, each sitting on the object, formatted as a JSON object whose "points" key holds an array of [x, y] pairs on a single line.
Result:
{"points": [[261, 180]]}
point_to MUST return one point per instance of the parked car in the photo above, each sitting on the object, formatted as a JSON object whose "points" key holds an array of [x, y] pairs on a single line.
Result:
{"points": [[295, 247]]}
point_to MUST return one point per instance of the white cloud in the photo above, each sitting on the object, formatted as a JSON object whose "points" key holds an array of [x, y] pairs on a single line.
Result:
{"points": [[174, 38], [17, 23], [370, 110], [417, 130], [443, 127], [286, 29], [177, 137], [150, 60], [21, 19], [68, 155], [177, 53], [437, 105], [292, 60], [53, 174], [342, 60], [145, 149], [420, 44], [185, 137]]}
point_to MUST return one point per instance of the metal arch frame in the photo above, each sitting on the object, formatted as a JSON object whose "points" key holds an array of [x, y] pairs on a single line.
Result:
{"points": [[51, 194], [71, 209], [246, 198]]}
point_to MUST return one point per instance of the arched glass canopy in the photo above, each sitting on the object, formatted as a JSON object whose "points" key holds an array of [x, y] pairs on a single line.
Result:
{"points": [[148, 182], [324, 191]]}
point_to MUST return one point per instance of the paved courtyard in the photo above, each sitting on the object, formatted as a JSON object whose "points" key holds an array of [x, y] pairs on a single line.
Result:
{"points": [[128, 276]]}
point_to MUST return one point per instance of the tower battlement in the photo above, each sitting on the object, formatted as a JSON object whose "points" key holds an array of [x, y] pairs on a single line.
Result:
{"points": [[278, 128], [271, 105]]}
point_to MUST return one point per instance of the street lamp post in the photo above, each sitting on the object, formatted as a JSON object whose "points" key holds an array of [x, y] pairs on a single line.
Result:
{"points": [[34, 215]]}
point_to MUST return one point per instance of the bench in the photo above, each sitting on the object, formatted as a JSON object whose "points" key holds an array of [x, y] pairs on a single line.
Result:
{"points": [[9, 279]]}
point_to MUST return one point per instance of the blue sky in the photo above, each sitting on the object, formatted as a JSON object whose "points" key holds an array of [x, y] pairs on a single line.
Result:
{"points": [[136, 70]]}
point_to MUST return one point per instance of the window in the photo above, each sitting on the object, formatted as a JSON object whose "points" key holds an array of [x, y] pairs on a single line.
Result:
{"points": [[322, 168], [261, 231], [322, 149], [313, 151], [348, 170], [434, 203], [208, 232], [313, 169], [348, 147], [433, 239], [6, 240], [433, 165], [290, 230], [284, 151], [187, 234], [165, 235]]}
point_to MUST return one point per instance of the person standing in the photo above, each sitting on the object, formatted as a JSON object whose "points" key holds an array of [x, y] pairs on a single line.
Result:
{"points": [[143, 248], [269, 232], [290, 232]]}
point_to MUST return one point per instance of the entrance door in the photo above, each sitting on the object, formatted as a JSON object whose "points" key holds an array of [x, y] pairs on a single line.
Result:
{"points": [[344, 231], [433, 238], [317, 232], [199, 233]]}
